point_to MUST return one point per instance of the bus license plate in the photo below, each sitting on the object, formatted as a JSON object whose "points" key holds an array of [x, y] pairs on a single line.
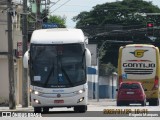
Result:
{"points": [[58, 101], [130, 92]]}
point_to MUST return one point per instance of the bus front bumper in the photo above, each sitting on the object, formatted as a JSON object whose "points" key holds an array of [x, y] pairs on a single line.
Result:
{"points": [[67, 101]]}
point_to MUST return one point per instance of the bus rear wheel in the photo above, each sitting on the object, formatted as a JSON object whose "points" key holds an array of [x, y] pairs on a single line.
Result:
{"points": [[81, 109], [154, 102]]}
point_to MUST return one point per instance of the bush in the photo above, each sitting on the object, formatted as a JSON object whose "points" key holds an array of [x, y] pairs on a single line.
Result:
{"points": [[106, 69], [4, 102]]}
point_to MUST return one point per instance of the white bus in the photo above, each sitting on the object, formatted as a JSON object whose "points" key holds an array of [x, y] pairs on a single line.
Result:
{"points": [[58, 60]]}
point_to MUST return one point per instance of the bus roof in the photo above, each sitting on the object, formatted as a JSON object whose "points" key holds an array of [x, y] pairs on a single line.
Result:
{"points": [[57, 36], [139, 45]]}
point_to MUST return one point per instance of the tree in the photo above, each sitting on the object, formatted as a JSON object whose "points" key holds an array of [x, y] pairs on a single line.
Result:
{"points": [[57, 19], [106, 69], [44, 15], [61, 21], [129, 14], [126, 12]]}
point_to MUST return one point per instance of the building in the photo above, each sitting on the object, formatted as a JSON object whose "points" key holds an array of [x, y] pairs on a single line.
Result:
{"points": [[17, 36], [100, 86]]}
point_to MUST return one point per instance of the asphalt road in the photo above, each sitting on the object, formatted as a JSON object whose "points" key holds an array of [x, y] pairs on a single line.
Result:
{"points": [[97, 110], [107, 108]]}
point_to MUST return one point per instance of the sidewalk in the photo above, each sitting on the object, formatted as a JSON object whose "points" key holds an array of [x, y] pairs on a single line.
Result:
{"points": [[101, 102], [18, 108]]}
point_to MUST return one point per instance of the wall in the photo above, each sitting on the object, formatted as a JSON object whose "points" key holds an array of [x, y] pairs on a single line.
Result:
{"points": [[4, 81], [106, 84], [92, 84]]}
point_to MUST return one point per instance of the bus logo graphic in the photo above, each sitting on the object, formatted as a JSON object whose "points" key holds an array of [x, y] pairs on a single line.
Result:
{"points": [[138, 53], [58, 95]]}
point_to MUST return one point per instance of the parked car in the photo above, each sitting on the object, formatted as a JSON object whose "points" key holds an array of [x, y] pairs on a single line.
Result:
{"points": [[131, 92]]}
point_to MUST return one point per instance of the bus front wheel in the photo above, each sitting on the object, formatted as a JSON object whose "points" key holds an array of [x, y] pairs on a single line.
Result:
{"points": [[37, 109], [80, 109], [45, 109]]}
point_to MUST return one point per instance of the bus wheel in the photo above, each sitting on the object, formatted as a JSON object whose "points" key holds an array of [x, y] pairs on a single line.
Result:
{"points": [[45, 109], [37, 110], [80, 109], [154, 102]]}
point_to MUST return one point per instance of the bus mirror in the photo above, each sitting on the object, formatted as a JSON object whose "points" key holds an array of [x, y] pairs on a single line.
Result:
{"points": [[88, 57], [86, 40], [25, 60]]}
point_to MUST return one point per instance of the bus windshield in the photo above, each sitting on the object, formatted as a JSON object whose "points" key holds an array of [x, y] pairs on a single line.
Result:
{"points": [[57, 66]]}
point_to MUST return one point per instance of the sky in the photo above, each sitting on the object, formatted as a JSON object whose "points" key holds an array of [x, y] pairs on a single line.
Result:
{"points": [[71, 8]]}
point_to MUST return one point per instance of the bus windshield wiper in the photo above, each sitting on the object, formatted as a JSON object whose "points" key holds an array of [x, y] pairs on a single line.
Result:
{"points": [[47, 80], [83, 57], [66, 75]]}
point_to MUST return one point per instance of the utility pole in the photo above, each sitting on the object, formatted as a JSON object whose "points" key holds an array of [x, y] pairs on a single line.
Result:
{"points": [[24, 70], [12, 101], [38, 15]]}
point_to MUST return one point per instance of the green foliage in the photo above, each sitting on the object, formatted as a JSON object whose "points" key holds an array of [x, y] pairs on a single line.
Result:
{"points": [[44, 15], [53, 18], [61, 21], [102, 52], [126, 12], [57, 19], [106, 69]]}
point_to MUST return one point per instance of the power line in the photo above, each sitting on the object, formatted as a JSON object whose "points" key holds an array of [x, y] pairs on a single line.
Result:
{"points": [[60, 6], [75, 5], [50, 7], [54, 4], [71, 11]]}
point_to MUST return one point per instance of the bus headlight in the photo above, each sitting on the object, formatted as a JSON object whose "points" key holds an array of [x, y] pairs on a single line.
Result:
{"points": [[80, 100], [37, 101], [80, 91], [36, 92]]}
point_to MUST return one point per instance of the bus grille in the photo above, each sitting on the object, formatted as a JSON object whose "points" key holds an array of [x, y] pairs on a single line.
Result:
{"points": [[139, 71]]}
